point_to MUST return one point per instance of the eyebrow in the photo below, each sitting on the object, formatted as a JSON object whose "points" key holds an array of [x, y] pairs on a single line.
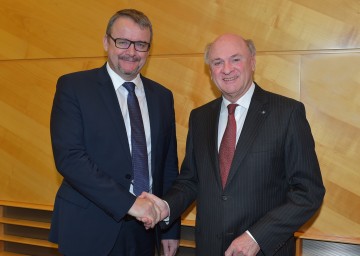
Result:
{"points": [[237, 55], [217, 59]]}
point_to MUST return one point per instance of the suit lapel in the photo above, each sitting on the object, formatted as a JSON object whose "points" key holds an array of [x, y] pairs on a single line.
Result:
{"points": [[213, 126], [257, 113], [108, 94]]}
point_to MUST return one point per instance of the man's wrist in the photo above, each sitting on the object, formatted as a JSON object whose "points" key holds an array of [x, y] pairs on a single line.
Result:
{"points": [[167, 218]]}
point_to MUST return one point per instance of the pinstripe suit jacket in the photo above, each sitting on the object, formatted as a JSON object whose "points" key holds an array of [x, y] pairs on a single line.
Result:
{"points": [[274, 185]]}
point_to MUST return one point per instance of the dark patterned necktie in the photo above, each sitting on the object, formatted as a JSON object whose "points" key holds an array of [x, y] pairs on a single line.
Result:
{"points": [[227, 145], [138, 142]]}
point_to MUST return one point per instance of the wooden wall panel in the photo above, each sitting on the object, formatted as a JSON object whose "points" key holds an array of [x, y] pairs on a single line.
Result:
{"points": [[53, 29], [58, 29], [330, 87], [26, 93], [307, 50]]}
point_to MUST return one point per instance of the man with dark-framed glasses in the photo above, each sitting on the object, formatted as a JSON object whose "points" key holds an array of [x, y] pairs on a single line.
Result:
{"points": [[113, 137]]}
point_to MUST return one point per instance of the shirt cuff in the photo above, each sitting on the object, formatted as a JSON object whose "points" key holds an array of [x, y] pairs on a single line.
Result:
{"points": [[167, 219], [247, 232]]}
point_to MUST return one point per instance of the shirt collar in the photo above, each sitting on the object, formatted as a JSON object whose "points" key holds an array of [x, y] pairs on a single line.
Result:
{"points": [[118, 80], [244, 101]]}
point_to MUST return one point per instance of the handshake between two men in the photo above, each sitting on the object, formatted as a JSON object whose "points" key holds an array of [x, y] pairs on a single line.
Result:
{"points": [[149, 209]]}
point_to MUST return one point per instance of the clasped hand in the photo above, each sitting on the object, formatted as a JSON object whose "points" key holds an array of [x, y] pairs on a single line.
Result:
{"points": [[149, 209]]}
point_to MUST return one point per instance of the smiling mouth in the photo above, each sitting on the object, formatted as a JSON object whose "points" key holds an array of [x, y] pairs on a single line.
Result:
{"points": [[129, 59], [229, 79]]}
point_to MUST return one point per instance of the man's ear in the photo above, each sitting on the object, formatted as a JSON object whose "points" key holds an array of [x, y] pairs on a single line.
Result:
{"points": [[253, 63], [106, 43]]}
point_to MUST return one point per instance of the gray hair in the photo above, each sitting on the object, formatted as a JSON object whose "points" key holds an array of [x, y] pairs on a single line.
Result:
{"points": [[138, 17]]}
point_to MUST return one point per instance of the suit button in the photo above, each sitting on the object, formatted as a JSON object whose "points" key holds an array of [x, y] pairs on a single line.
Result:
{"points": [[128, 176], [224, 198]]}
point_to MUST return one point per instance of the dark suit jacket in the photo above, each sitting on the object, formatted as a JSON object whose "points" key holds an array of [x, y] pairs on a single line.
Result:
{"points": [[274, 185], [92, 153]]}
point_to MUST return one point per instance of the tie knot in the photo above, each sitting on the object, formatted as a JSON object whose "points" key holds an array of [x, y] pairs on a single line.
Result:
{"points": [[231, 108], [130, 86]]}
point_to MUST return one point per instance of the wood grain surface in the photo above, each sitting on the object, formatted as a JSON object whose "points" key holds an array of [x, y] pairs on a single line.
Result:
{"points": [[307, 50]]}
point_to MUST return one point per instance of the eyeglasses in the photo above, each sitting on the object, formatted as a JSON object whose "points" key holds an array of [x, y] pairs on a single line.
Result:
{"points": [[123, 43]]}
